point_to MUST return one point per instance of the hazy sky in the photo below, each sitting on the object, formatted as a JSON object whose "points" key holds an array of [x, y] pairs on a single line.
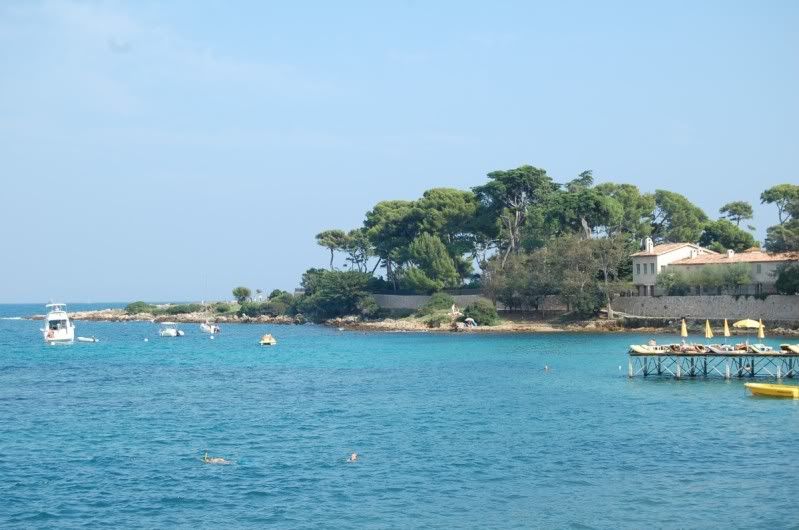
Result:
{"points": [[173, 150]]}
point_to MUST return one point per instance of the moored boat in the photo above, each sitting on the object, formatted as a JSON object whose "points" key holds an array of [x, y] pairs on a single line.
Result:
{"points": [[268, 340], [58, 328], [789, 348], [762, 349], [205, 327], [727, 349], [769, 390], [170, 329]]}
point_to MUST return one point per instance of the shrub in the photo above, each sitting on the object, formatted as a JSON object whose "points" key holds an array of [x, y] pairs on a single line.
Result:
{"points": [[332, 294], [437, 318], [368, 307], [221, 307], [788, 279], [256, 309], [179, 309], [139, 307], [437, 301], [241, 294], [483, 312]]}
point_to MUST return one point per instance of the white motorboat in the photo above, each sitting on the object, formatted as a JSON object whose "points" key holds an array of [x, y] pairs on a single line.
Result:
{"points": [[58, 328], [170, 329], [205, 327]]}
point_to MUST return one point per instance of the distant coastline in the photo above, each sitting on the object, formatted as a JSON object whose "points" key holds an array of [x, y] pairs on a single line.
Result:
{"points": [[408, 324]]}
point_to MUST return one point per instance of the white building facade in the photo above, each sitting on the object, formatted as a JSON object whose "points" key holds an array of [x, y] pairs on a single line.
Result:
{"points": [[654, 259]]}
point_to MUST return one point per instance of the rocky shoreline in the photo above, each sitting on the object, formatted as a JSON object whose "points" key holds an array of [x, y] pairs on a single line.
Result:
{"points": [[119, 315], [389, 325]]}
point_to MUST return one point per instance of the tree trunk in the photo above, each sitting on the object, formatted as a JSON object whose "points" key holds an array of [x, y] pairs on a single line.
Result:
{"points": [[331, 259]]}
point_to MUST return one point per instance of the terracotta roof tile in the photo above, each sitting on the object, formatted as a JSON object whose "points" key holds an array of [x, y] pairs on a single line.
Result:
{"points": [[743, 257], [665, 248]]}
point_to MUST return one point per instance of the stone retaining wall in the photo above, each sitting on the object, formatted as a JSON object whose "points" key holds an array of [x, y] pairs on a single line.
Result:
{"points": [[774, 308], [415, 301]]}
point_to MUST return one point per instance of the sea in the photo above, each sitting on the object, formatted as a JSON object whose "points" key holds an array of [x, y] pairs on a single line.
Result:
{"points": [[453, 430]]}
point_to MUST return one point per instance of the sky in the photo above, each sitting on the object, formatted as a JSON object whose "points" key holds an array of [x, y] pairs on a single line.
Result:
{"points": [[174, 150]]}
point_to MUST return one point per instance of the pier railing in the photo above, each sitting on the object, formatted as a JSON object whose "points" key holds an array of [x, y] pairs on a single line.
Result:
{"points": [[680, 365]]}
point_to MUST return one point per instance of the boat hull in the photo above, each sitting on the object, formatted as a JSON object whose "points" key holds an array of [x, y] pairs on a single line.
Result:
{"points": [[777, 391]]}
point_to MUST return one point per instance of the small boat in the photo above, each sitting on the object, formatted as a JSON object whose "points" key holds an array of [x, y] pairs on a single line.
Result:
{"points": [[789, 348], [58, 328], [268, 340], [170, 329], [761, 349], [88, 339], [768, 390], [727, 349], [648, 349], [213, 329]]}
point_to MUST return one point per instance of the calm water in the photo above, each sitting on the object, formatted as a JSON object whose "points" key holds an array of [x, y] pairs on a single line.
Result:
{"points": [[454, 431]]}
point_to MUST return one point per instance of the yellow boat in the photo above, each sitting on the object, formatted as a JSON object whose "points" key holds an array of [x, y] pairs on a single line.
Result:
{"points": [[782, 391], [268, 340]]}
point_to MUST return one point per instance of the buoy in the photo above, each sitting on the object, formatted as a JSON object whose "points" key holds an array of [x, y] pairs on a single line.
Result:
{"points": [[212, 337], [146, 339]]}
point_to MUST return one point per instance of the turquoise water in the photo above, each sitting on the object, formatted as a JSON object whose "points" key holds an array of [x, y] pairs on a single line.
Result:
{"points": [[453, 430]]}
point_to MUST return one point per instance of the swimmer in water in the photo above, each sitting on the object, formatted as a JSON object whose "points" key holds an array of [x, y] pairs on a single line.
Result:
{"points": [[352, 458], [215, 460]]}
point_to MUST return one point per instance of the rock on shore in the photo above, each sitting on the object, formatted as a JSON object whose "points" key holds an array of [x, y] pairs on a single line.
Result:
{"points": [[119, 315]]}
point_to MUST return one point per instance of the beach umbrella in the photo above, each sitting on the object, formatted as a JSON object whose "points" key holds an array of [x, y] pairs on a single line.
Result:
{"points": [[747, 324], [726, 328], [708, 331], [761, 331], [683, 329]]}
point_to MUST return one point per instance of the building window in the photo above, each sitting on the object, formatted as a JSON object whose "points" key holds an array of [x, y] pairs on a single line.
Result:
{"points": [[759, 268], [652, 268], [638, 268], [652, 289]]}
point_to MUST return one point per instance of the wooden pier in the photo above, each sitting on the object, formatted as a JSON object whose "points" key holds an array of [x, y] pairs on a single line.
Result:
{"points": [[727, 365]]}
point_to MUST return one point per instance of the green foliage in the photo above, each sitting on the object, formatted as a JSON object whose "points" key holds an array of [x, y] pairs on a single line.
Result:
{"points": [[637, 210], [437, 318], [678, 282], [278, 293], [676, 219], [737, 211], [788, 279], [483, 312], [437, 302], [509, 195], [182, 309], [367, 306], [785, 197], [783, 237], [332, 294], [416, 279], [332, 240], [241, 294], [722, 235], [222, 307], [140, 307], [431, 257]]}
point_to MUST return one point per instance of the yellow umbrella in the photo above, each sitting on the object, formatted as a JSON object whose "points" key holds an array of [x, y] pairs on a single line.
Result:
{"points": [[761, 331], [748, 323], [683, 329], [726, 328], [708, 331]]}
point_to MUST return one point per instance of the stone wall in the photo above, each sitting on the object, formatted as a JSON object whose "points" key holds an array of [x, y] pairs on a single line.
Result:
{"points": [[774, 308], [415, 301], [412, 301]]}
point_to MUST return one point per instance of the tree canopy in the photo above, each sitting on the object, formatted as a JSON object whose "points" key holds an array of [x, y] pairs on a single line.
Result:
{"points": [[737, 211]]}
